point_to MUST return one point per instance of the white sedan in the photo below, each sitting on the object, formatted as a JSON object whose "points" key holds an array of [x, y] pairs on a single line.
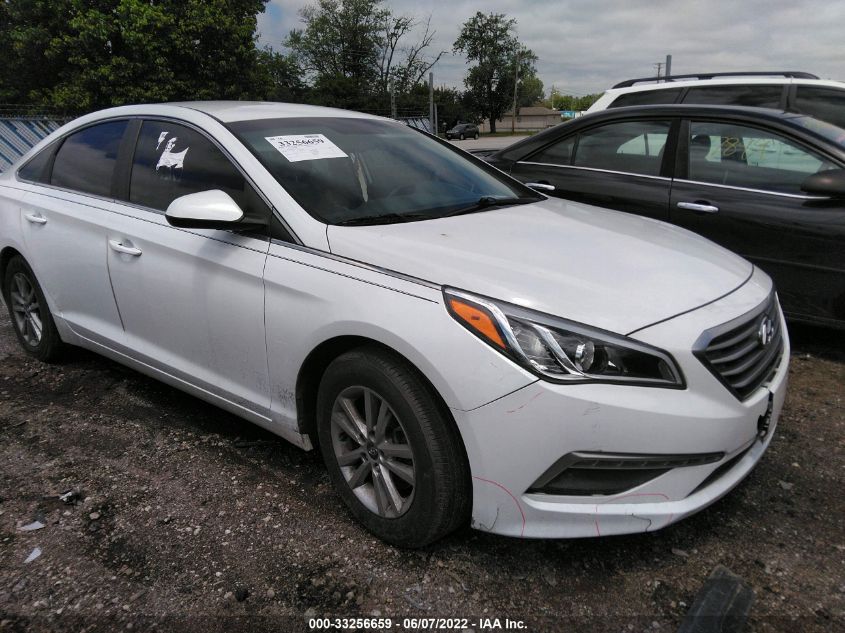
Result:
{"points": [[459, 347]]}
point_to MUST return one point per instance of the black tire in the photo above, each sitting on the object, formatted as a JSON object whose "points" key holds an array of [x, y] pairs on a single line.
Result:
{"points": [[462, 136], [49, 346], [441, 497], [476, 136]]}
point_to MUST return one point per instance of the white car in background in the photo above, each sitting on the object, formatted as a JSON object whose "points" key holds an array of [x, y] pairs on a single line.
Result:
{"points": [[781, 90], [460, 347]]}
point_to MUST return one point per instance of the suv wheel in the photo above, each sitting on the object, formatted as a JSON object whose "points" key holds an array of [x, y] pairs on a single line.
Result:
{"points": [[393, 456], [31, 318], [462, 136]]}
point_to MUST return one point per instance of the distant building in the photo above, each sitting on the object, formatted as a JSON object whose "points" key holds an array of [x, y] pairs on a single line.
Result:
{"points": [[529, 119]]}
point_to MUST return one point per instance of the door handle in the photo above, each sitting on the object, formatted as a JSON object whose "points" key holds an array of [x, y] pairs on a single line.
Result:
{"points": [[540, 186], [35, 219], [698, 206], [127, 250]]}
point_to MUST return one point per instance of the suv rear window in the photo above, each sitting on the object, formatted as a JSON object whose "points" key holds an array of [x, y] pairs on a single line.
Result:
{"points": [[647, 97], [759, 96], [827, 104]]}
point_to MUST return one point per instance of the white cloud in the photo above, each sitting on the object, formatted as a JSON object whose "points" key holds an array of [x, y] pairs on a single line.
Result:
{"points": [[586, 46]]}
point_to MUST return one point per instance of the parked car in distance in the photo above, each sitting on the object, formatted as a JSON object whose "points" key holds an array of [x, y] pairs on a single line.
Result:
{"points": [[459, 347], [790, 91], [462, 131], [766, 184]]}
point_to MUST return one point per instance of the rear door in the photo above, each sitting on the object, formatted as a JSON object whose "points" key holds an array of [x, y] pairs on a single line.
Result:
{"points": [[620, 165], [742, 189], [192, 301], [65, 219]]}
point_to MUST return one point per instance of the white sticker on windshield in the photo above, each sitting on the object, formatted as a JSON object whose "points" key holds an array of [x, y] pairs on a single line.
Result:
{"points": [[297, 147]]}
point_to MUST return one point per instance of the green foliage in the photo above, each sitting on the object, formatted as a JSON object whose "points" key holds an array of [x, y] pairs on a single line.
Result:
{"points": [[352, 50], [81, 55], [488, 41], [560, 101]]}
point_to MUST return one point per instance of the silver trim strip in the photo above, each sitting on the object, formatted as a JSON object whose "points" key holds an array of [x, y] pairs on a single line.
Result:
{"points": [[603, 171], [771, 193]]}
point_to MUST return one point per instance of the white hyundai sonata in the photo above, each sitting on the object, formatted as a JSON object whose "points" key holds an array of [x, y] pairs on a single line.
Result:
{"points": [[459, 347]]}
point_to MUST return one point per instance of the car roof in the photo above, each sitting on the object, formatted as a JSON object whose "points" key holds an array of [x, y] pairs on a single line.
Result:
{"points": [[725, 81], [684, 109], [230, 111]]}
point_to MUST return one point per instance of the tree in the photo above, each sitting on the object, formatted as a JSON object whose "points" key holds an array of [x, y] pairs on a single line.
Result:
{"points": [[80, 55], [489, 41], [530, 91], [351, 50]]}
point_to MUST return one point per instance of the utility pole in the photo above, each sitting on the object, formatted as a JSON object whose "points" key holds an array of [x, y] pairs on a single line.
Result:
{"points": [[668, 66], [658, 66], [431, 103], [515, 84]]}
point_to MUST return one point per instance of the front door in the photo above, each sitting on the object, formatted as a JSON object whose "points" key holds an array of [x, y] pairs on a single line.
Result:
{"points": [[743, 191], [618, 165], [192, 301]]}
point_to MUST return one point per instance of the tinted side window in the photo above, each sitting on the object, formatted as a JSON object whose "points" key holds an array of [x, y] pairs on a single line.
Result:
{"points": [[85, 161], [558, 154], [35, 169], [172, 160], [740, 156], [633, 146], [647, 97], [760, 96], [827, 104]]}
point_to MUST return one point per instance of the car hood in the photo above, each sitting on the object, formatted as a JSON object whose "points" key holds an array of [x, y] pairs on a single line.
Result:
{"points": [[605, 268]]}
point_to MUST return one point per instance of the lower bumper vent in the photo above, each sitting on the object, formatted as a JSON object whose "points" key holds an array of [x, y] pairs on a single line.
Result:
{"points": [[583, 473]]}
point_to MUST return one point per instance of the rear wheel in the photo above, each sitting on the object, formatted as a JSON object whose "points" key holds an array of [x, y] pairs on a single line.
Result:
{"points": [[462, 136], [392, 454], [31, 318], [476, 136]]}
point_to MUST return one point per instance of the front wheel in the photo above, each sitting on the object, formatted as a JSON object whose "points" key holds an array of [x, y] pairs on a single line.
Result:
{"points": [[31, 318], [476, 136], [391, 452], [462, 137]]}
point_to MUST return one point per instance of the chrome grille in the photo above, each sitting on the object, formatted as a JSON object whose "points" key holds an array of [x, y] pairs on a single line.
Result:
{"points": [[743, 354]]}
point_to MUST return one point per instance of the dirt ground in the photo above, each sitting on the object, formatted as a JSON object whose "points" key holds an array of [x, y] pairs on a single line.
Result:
{"points": [[188, 519]]}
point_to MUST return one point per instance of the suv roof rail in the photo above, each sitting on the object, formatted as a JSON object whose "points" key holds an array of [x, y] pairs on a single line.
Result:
{"points": [[757, 73]]}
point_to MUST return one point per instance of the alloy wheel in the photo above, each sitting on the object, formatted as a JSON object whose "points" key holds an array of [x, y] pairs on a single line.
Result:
{"points": [[373, 451], [26, 309]]}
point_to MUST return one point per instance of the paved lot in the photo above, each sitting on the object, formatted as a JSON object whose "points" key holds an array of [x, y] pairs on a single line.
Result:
{"points": [[188, 519]]}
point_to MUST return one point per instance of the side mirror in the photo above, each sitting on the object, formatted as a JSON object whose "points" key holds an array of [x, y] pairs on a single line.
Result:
{"points": [[212, 209], [830, 183]]}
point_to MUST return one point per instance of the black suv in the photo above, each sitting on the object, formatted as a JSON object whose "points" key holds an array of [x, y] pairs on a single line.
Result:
{"points": [[766, 184], [462, 131]]}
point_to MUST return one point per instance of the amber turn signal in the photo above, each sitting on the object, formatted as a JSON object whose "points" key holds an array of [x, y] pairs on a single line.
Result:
{"points": [[477, 319]]}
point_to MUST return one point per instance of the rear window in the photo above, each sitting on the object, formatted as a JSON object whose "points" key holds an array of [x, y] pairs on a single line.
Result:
{"points": [[85, 161], [35, 169], [827, 104], [647, 97], [758, 96]]}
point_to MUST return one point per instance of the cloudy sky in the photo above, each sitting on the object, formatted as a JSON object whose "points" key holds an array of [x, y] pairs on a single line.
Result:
{"points": [[585, 46]]}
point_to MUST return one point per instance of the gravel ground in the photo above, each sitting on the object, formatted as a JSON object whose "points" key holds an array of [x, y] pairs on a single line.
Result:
{"points": [[188, 519]]}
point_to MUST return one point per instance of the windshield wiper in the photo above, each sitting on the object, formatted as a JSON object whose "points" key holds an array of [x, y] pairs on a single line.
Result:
{"points": [[384, 218], [488, 202]]}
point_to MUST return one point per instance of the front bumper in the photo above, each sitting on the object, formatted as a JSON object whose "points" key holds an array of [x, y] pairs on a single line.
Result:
{"points": [[512, 441]]}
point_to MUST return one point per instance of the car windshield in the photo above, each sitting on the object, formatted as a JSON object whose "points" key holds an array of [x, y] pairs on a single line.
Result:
{"points": [[356, 170], [822, 128]]}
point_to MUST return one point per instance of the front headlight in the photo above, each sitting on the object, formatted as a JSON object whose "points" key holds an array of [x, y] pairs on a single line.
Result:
{"points": [[559, 350]]}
